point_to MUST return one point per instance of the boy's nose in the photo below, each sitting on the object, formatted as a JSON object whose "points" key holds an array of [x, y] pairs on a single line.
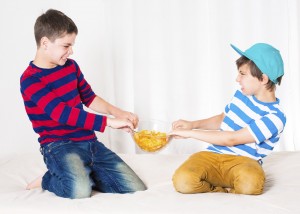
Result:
{"points": [[70, 51]]}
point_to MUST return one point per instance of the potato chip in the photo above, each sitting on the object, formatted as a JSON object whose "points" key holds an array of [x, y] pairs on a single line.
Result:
{"points": [[150, 141]]}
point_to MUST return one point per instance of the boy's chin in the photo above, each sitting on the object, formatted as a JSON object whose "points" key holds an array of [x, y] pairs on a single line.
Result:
{"points": [[62, 62], [246, 93]]}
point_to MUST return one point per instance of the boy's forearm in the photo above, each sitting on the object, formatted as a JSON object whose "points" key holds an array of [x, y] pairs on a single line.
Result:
{"points": [[222, 138], [212, 123], [101, 106]]}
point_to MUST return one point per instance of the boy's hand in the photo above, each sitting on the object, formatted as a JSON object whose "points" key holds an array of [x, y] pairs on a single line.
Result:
{"points": [[133, 118], [117, 123], [182, 124]]}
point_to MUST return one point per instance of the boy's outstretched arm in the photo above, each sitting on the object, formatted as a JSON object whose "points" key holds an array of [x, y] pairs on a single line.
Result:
{"points": [[212, 123], [222, 138], [101, 106]]}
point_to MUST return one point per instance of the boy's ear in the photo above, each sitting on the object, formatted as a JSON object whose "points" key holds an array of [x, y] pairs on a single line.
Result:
{"points": [[44, 42], [265, 79]]}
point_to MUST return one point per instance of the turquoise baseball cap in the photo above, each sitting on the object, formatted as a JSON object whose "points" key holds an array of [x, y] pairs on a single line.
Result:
{"points": [[266, 58]]}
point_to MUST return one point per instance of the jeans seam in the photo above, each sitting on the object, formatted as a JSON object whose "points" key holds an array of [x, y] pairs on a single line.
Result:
{"points": [[92, 153]]}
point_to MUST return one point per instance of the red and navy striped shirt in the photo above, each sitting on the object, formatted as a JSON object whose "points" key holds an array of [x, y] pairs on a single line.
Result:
{"points": [[54, 99]]}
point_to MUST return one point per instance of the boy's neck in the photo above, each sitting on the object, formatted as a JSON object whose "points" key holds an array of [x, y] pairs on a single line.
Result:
{"points": [[266, 96], [41, 62]]}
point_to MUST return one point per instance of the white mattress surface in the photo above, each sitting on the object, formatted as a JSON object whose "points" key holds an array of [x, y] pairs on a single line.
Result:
{"points": [[281, 194]]}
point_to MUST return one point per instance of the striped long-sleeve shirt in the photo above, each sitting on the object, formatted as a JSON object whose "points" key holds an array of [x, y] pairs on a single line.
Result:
{"points": [[54, 99], [265, 121]]}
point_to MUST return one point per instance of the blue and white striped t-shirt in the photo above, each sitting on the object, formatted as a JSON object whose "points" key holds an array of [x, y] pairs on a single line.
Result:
{"points": [[265, 121]]}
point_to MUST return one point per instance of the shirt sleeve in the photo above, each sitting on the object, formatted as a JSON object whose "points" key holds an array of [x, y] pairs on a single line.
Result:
{"points": [[59, 111], [267, 127], [227, 107], [86, 93]]}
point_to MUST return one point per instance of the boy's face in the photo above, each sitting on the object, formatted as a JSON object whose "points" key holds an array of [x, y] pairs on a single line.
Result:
{"points": [[250, 85], [58, 51]]}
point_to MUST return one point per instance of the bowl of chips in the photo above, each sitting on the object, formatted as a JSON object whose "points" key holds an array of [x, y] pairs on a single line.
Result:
{"points": [[151, 136]]}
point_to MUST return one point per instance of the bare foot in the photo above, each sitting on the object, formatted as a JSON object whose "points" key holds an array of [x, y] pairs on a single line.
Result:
{"points": [[35, 183]]}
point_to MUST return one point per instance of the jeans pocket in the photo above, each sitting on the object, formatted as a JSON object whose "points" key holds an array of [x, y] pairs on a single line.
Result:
{"points": [[55, 145], [54, 152]]}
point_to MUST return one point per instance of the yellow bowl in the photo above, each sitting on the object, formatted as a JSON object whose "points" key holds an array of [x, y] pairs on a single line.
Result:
{"points": [[151, 136]]}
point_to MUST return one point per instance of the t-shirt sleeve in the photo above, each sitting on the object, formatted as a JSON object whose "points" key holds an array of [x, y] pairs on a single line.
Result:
{"points": [[227, 107], [267, 127]]}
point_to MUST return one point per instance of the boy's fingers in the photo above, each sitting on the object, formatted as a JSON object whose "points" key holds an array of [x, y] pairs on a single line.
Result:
{"points": [[130, 125]]}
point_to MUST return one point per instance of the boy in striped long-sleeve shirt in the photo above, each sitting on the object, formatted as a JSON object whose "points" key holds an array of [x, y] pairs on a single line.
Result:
{"points": [[54, 91], [242, 135]]}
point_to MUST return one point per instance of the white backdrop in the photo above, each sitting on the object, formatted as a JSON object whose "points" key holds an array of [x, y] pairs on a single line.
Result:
{"points": [[162, 59]]}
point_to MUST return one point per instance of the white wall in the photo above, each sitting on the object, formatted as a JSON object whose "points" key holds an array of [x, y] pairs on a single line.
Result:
{"points": [[162, 59]]}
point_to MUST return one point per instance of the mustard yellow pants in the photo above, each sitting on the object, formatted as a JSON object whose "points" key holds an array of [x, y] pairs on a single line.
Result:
{"points": [[212, 172]]}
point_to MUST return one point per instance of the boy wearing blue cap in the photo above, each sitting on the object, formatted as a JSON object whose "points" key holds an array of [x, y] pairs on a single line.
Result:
{"points": [[242, 135]]}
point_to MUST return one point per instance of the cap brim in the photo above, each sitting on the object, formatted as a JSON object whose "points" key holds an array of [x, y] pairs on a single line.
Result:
{"points": [[237, 50]]}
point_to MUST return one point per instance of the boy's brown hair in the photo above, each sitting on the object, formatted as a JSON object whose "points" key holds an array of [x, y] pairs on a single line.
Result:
{"points": [[53, 24], [255, 72]]}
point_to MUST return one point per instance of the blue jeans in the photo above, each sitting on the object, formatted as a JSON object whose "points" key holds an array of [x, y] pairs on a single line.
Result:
{"points": [[75, 168]]}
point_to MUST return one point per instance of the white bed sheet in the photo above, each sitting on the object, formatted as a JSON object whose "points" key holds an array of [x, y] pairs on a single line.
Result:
{"points": [[281, 194]]}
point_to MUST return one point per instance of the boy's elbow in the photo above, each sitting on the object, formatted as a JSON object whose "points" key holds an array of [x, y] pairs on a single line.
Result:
{"points": [[231, 141], [239, 137]]}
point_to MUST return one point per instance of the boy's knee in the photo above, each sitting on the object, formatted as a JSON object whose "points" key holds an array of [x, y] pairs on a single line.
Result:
{"points": [[139, 186], [80, 195], [250, 188], [78, 182], [250, 183], [78, 189], [183, 182]]}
